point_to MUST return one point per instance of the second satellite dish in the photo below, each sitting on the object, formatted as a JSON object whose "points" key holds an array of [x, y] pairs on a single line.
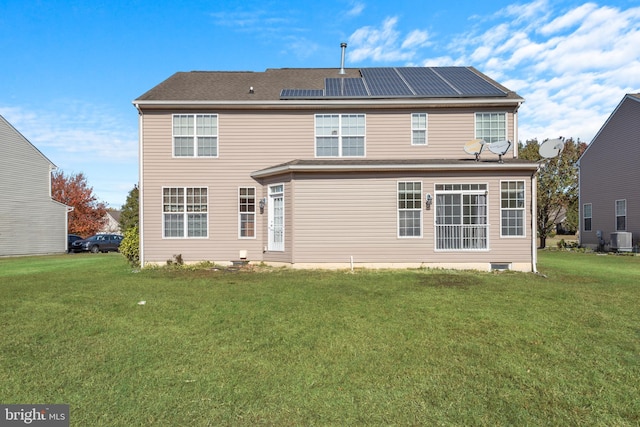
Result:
{"points": [[499, 147], [551, 148]]}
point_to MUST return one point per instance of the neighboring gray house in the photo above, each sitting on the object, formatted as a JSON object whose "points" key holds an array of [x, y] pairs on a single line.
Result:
{"points": [[328, 167], [31, 222], [609, 177]]}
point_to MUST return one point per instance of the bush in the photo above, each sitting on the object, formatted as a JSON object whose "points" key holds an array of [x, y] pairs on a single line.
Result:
{"points": [[130, 246]]}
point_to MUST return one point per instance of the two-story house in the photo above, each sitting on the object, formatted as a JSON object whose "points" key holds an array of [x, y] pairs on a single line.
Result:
{"points": [[335, 168], [609, 174], [31, 222]]}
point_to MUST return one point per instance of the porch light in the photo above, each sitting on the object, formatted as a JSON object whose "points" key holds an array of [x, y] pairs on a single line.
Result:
{"points": [[262, 204], [429, 200]]}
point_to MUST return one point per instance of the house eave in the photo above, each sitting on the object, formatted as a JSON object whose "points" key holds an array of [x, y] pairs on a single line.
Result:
{"points": [[333, 103], [391, 166]]}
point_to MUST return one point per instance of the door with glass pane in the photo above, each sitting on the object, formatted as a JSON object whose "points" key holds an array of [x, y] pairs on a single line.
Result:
{"points": [[276, 217]]}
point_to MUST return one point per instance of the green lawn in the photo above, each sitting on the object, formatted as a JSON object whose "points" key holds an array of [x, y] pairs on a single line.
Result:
{"points": [[282, 347]]}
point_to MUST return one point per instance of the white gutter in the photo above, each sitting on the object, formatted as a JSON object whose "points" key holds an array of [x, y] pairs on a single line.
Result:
{"points": [[493, 166], [334, 102]]}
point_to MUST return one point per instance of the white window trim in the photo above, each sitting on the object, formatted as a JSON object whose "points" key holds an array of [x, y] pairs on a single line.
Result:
{"points": [[475, 122], [415, 209], [185, 231], [271, 193], [524, 211], [584, 216], [435, 225], [255, 213], [195, 137], [425, 129], [615, 227], [340, 155]]}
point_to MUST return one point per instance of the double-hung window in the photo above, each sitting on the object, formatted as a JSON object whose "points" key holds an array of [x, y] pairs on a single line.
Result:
{"points": [[340, 135], [195, 135], [586, 217], [419, 129], [621, 215], [461, 217], [247, 212], [184, 212], [410, 209], [512, 208], [491, 127]]}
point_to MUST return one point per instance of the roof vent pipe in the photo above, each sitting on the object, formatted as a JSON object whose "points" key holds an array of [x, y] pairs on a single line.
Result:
{"points": [[344, 47]]}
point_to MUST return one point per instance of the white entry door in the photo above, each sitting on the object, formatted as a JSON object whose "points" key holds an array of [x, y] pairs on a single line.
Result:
{"points": [[276, 217]]}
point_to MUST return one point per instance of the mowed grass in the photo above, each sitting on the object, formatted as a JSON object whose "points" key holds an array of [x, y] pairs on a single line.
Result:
{"points": [[282, 347]]}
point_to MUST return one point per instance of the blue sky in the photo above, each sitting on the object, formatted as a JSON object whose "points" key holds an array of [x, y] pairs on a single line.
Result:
{"points": [[70, 69]]}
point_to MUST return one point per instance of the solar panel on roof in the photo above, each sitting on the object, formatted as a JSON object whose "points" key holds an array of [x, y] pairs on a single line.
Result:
{"points": [[301, 93], [345, 87], [385, 82], [333, 87], [403, 82], [468, 82], [355, 87], [425, 82]]}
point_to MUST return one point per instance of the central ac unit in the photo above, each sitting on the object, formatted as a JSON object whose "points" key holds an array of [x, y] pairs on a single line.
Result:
{"points": [[621, 241]]}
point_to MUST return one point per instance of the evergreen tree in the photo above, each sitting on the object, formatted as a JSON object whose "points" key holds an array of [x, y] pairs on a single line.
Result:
{"points": [[130, 212]]}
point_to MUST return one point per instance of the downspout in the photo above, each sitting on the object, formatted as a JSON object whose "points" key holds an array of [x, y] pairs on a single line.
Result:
{"points": [[140, 188], [515, 133], [534, 221]]}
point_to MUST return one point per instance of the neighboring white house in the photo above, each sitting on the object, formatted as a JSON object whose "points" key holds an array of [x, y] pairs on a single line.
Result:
{"points": [[112, 222], [31, 222]]}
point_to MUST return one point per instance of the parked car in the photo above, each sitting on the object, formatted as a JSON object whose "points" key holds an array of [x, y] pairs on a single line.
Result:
{"points": [[70, 239], [97, 243]]}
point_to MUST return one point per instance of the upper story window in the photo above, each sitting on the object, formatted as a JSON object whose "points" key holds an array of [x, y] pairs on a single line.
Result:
{"points": [[586, 217], [195, 135], [512, 208], [340, 135], [621, 215], [419, 129], [491, 127]]}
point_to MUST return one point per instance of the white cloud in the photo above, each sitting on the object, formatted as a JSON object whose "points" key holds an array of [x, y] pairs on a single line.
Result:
{"points": [[385, 44], [356, 8], [415, 39], [572, 65], [572, 18], [82, 130]]}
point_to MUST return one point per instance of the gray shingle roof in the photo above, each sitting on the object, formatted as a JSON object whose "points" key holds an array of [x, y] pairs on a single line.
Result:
{"points": [[268, 85]]}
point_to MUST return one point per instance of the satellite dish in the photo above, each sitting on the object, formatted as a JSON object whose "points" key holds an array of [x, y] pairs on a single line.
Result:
{"points": [[474, 147], [551, 148], [499, 147]]}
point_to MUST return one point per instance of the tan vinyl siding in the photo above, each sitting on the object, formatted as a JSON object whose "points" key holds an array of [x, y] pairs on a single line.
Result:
{"points": [[609, 172], [345, 215], [328, 218]]}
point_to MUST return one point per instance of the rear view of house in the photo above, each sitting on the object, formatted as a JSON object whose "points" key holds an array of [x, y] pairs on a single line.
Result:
{"points": [[609, 176], [31, 222], [335, 168]]}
